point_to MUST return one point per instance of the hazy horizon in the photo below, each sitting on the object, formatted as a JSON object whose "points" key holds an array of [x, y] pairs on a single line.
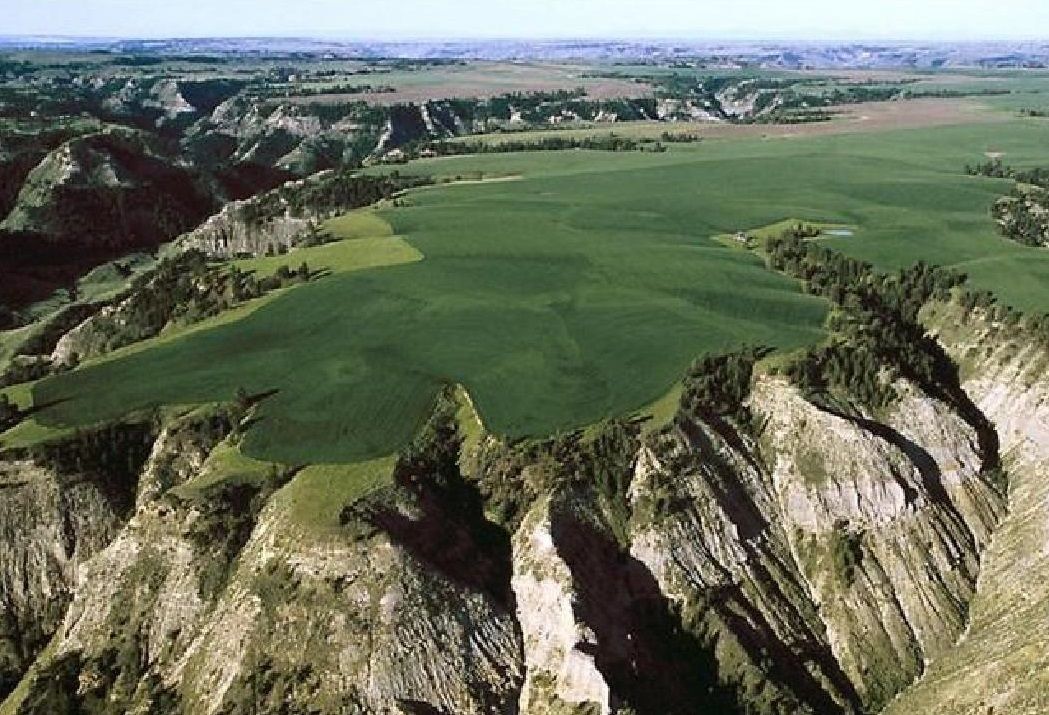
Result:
{"points": [[537, 20]]}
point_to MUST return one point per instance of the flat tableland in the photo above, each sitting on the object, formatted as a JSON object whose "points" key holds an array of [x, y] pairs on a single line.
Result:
{"points": [[578, 292]]}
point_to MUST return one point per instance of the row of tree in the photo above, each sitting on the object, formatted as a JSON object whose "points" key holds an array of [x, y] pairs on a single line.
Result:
{"points": [[334, 192], [718, 385], [1023, 214], [877, 335], [609, 142]]}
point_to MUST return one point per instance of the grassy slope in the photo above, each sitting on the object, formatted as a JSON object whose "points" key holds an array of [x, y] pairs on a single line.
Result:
{"points": [[904, 190], [556, 300], [580, 291], [345, 257], [315, 498], [102, 283]]}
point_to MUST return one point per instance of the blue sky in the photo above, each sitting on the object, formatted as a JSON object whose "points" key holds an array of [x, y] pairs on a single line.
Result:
{"points": [[387, 19]]}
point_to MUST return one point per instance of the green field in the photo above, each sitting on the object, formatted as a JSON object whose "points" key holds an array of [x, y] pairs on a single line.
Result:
{"points": [[582, 290]]}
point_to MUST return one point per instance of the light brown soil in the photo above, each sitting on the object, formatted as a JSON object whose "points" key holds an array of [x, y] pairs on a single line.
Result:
{"points": [[487, 80], [873, 116], [853, 118], [891, 76]]}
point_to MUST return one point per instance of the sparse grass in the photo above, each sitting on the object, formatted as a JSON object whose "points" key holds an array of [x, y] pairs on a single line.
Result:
{"points": [[31, 432], [661, 412], [339, 257], [812, 466], [316, 497], [364, 223], [470, 425], [480, 79], [20, 395], [9, 342], [106, 281], [225, 461]]}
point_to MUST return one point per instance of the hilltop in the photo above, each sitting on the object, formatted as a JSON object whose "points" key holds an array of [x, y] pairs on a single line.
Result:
{"points": [[415, 386]]}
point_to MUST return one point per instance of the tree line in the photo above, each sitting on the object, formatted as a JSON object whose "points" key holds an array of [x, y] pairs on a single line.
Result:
{"points": [[877, 335], [1023, 214], [611, 142], [335, 192]]}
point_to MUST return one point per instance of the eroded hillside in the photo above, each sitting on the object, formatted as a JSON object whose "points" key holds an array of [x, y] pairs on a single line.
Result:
{"points": [[757, 553]]}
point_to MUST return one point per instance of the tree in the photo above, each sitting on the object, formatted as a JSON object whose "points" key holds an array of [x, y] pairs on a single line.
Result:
{"points": [[7, 318], [8, 411]]}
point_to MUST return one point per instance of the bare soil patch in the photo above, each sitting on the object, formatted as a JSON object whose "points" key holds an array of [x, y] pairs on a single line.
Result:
{"points": [[852, 118], [487, 79]]}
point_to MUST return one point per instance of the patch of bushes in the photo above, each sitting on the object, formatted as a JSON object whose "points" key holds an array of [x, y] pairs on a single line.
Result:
{"points": [[877, 335], [846, 553], [336, 192], [1023, 214], [718, 385]]}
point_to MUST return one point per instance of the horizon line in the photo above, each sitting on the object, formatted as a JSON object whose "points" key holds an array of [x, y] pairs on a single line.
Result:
{"points": [[409, 39]]}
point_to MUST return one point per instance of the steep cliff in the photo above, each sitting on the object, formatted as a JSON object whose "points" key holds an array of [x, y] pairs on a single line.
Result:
{"points": [[1001, 664], [119, 184], [228, 234], [59, 507], [776, 556], [50, 527]]}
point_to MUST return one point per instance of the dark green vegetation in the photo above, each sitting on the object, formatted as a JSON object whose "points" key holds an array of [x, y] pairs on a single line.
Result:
{"points": [[846, 553], [333, 192], [1022, 213], [717, 385], [579, 292], [9, 412], [877, 336], [611, 142]]}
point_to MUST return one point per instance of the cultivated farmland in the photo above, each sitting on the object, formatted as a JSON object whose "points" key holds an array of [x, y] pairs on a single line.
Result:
{"points": [[581, 291]]}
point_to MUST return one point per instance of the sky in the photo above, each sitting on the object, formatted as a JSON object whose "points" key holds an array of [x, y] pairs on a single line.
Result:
{"points": [[422, 19]]}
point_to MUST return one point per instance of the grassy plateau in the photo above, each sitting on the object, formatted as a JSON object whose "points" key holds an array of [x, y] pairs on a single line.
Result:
{"points": [[580, 291]]}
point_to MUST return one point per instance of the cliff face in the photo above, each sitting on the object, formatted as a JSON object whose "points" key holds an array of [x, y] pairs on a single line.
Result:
{"points": [[215, 599], [49, 526], [242, 131], [59, 508], [797, 561], [227, 234], [1001, 663], [119, 185], [887, 522]]}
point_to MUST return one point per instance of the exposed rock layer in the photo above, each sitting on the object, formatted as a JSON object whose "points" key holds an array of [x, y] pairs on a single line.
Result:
{"points": [[807, 562]]}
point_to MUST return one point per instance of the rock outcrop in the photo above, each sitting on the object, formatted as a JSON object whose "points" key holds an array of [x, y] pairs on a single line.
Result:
{"points": [[786, 559], [227, 234], [49, 527], [1001, 664], [110, 191]]}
